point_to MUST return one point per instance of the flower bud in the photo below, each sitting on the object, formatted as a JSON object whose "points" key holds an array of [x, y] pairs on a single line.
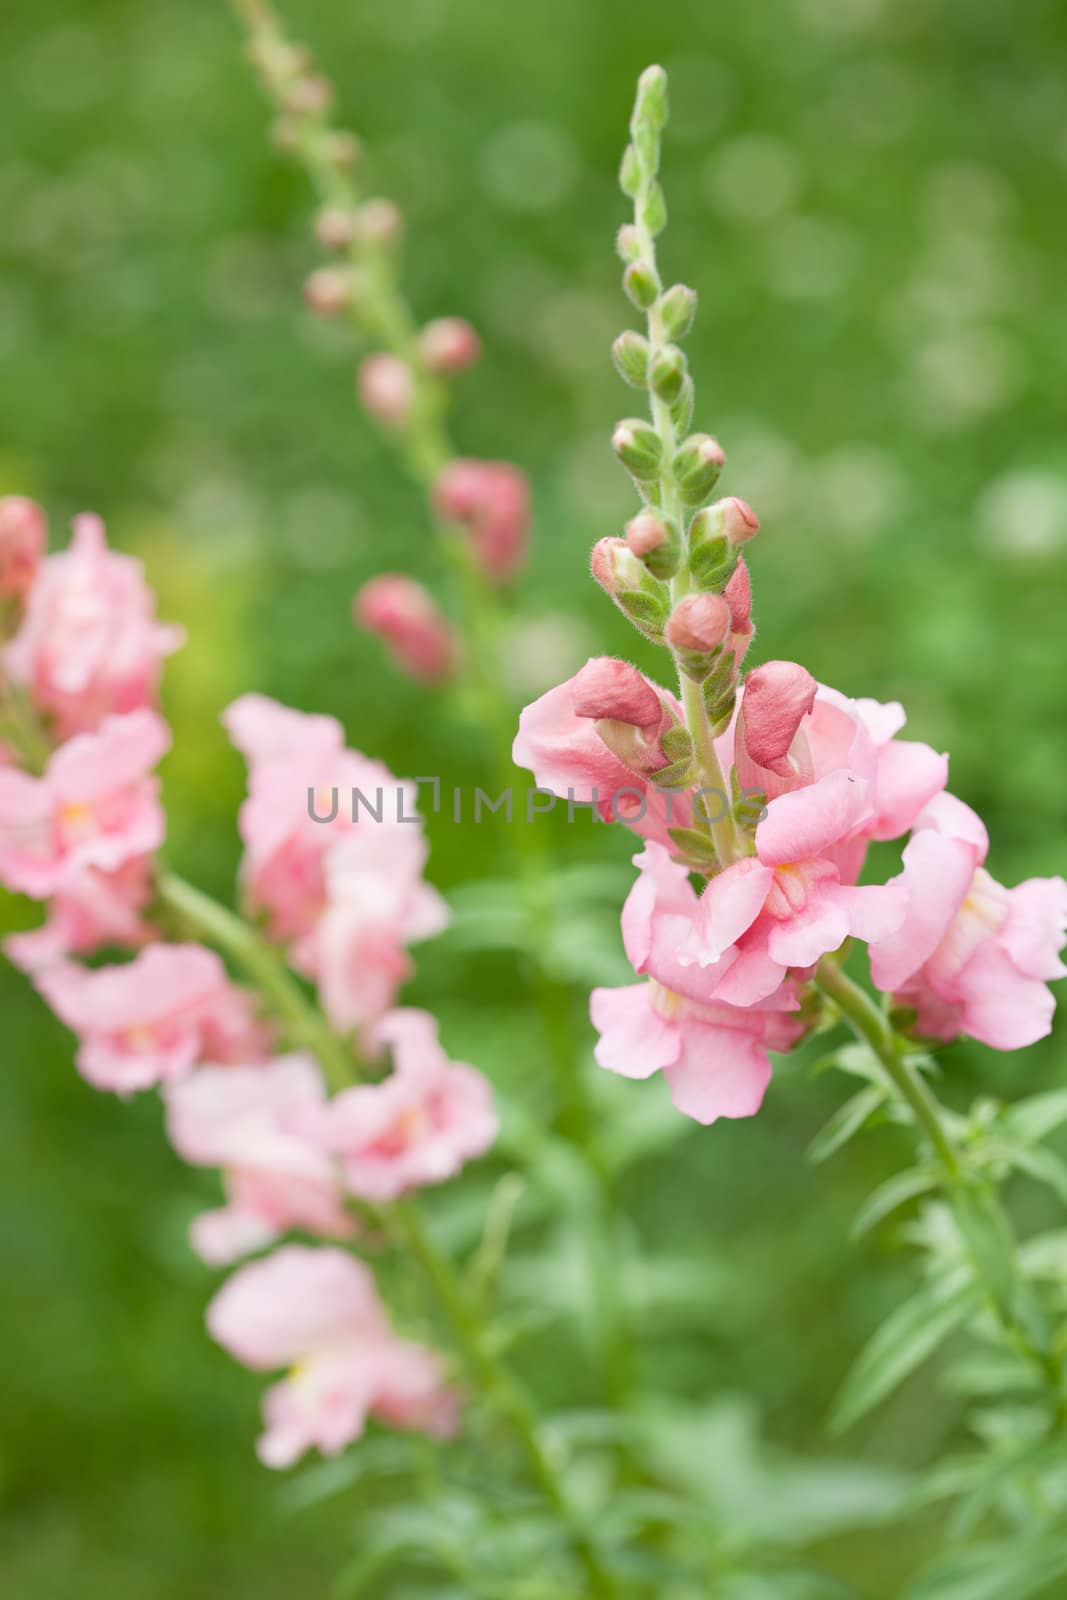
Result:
{"points": [[655, 542], [491, 501], [309, 96], [23, 535], [628, 243], [286, 133], [328, 291], [401, 612], [654, 210], [682, 406], [638, 447], [630, 354], [641, 284], [668, 372], [638, 595], [699, 622], [448, 345], [335, 228], [739, 521], [651, 105], [677, 308], [379, 223], [609, 688], [387, 389], [630, 172], [340, 150], [714, 537], [696, 467]]}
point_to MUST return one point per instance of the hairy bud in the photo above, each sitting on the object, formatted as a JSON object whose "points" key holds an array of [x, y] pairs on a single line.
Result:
{"points": [[668, 373], [696, 467], [641, 284], [654, 541], [628, 243], [630, 354], [678, 307], [638, 595], [638, 447]]}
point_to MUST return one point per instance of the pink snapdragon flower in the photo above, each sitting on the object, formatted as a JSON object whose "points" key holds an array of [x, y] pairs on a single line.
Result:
{"points": [[240, 1118], [760, 917], [23, 537], [298, 763], [596, 739], [403, 613], [92, 909], [95, 810], [491, 501], [713, 1056], [317, 1312], [418, 1126], [971, 956], [148, 1021], [89, 644], [377, 903]]}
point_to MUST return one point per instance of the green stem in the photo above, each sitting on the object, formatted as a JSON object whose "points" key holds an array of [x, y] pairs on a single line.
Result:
{"points": [[499, 1384], [983, 1224], [217, 925], [307, 1026], [724, 832], [873, 1027]]}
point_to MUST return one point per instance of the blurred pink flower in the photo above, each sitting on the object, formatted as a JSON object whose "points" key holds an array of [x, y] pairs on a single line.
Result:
{"points": [[972, 956], [240, 1118], [418, 1126], [317, 1311], [23, 537], [449, 344], [95, 809], [491, 501], [404, 614], [377, 903], [713, 1056], [93, 909], [89, 644], [387, 389], [142, 1023], [292, 756]]}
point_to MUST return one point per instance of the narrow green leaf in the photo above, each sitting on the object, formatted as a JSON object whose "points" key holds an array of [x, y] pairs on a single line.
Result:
{"points": [[846, 1121], [1037, 1117], [903, 1342], [896, 1191]]}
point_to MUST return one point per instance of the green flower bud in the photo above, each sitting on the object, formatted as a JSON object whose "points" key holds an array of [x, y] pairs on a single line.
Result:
{"points": [[630, 172], [694, 848], [628, 242], [630, 355], [654, 210], [637, 594], [696, 467], [638, 447], [641, 284], [668, 372], [651, 103], [678, 307], [655, 541], [682, 406]]}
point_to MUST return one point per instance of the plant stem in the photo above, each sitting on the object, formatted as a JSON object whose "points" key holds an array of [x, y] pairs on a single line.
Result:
{"points": [[873, 1027], [304, 1022], [983, 1225], [307, 1026], [724, 832], [499, 1384]]}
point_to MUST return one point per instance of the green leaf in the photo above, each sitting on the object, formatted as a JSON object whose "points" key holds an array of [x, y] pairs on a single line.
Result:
{"points": [[1038, 1163], [1035, 1118], [846, 1121], [1015, 1570], [896, 1191], [903, 1342]]}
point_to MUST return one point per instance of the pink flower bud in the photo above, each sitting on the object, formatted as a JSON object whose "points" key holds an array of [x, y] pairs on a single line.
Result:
{"points": [[699, 622], [646, 532], [448, 345], [309, 96], [23, 535], [387, 389], [401, 612], [379, 222], [614, 689], [491, 500], [341, 150], [615, 567], [328, 291], [335, 228], [739, 522]]}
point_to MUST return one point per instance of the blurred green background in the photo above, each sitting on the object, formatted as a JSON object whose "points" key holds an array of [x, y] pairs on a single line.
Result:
{"points": [[869, 196]]}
